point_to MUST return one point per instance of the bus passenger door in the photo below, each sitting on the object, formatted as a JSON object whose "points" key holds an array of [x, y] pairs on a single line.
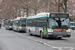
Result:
{"points": [[45, 26]]}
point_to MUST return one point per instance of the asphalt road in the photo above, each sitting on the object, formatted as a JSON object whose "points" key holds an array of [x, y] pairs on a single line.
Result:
{"points": [[63, 44], [12, 37], [10, 40]]}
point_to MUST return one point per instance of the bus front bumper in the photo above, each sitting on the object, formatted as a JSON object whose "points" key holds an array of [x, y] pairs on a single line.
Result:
{"points": [[10, 27], [56, 34], [22, 30]]}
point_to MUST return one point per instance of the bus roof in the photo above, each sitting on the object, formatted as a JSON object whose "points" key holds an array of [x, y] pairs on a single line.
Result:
{"points": [[9, 19], [18, 18], [39, 15]]}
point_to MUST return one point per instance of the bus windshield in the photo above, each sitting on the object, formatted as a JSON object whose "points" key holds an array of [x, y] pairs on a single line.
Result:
{"points": [[11, 23], [59, 23], [23, 23]]}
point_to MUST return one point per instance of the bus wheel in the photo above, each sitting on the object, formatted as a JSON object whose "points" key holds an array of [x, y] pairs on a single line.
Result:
{"points": [[72, 28], [18, 30], [6, 29], [41, 35], [30, 33], [59, 37], [13, 29]]}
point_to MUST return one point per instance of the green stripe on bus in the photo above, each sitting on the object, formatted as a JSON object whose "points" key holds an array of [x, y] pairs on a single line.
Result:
{"points": [[45, 30]]}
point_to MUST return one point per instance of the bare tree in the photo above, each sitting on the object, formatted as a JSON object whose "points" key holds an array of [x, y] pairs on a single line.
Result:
{"points": [[61, 4]]}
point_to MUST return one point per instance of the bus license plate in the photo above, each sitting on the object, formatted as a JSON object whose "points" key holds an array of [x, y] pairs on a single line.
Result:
{"points": [[62, 30], [59, 35]]}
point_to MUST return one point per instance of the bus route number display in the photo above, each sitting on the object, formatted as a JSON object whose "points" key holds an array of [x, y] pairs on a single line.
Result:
{"points": [[23, 19], [59, 15]]}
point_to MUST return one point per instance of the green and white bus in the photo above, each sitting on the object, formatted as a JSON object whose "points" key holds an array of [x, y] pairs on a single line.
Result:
{"points": [[55, 25], [8, 24], [19, 24]]}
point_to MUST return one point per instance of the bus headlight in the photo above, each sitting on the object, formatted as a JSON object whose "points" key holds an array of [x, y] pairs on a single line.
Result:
{"points": [[20, 27], [10, 26], [69, 30]]}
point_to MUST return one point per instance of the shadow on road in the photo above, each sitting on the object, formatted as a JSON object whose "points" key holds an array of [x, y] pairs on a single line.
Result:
{"points": [[21, 32], [50, 38]]}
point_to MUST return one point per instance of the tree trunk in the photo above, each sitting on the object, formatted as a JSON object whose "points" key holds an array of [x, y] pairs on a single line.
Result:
{"points": [[35, 10], [27, 11], [59, 6], [65, 3]]}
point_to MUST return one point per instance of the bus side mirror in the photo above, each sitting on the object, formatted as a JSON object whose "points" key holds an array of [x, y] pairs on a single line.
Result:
{"points": [[47, 19], [70, 19]]}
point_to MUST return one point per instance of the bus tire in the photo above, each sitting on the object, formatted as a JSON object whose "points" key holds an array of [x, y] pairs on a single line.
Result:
{"points": [[18, 30], [41, 35], [30, 33], [6, 29], [59, 37], [72, 28], [14, 30]]}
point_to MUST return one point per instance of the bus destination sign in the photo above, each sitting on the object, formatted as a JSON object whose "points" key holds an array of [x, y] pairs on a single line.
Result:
{"points": [[23, 18], [59, 15]]}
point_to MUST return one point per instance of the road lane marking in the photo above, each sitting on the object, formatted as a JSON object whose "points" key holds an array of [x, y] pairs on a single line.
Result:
{"points": [[39, 42], [60, 43], [57, 48]]}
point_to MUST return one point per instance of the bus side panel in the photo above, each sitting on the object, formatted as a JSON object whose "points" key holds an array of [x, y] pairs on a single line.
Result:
{"points": [[38, 30], [27, 29], [32, 29]]}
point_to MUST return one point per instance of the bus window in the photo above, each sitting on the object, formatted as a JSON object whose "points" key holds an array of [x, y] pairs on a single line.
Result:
{"points": [[38, 24], [23, 23], [30, 22], [44, 24]]}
